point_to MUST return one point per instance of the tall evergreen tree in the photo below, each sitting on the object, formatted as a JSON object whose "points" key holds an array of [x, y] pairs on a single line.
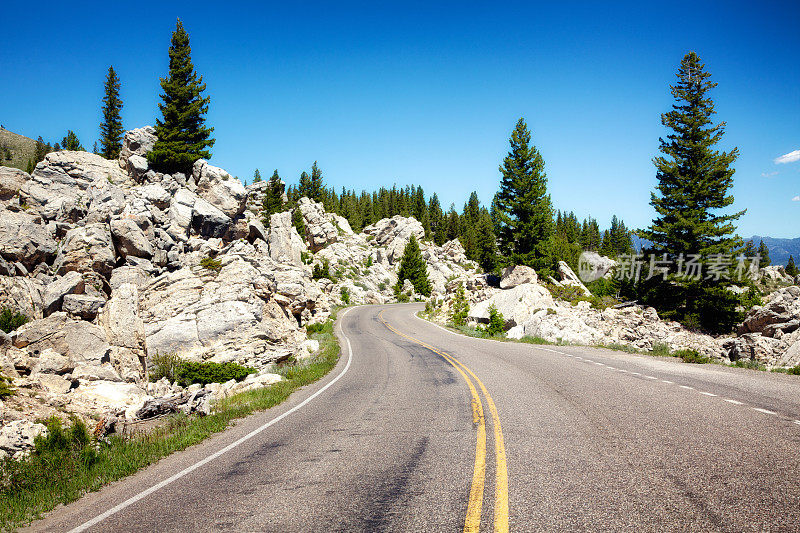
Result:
{"points": [[414, 268], [453, 226], [438, 226], [763, 255], [273, 198], [257, 176], [111, 127], [523, 210], [316, 186], [694, 179], [693, 193], [183, 136], [304, 187], [485, 245]]}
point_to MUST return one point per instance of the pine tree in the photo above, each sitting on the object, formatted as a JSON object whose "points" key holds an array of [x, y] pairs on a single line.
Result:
{"points": [[523, 212], [316, 186], [414, 268], [41, 150], [485, 245], [459, 308], [693, 192], [257, 176], [304, 188], [111, 127], [791, 268], [31, 166], [438, 226], [299, 222], [183, 137], [694, 178], [453, 226], [71, 142], [763, 255], [273, 198]]}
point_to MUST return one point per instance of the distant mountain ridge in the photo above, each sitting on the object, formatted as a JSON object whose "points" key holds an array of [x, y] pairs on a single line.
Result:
{"points": [[779, 249]]}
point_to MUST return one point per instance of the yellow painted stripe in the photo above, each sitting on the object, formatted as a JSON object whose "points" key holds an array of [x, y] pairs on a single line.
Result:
{"points": [[472, 522], [501, 471]]}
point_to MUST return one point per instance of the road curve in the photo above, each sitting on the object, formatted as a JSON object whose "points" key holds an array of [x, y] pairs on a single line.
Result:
{"points": [[423, 423]]}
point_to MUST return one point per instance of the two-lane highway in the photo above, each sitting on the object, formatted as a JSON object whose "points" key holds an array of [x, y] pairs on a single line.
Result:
{"points": [[420, 429]]}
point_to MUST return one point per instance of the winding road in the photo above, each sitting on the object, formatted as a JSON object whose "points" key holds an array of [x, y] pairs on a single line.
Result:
{"points": [[420, 429]]}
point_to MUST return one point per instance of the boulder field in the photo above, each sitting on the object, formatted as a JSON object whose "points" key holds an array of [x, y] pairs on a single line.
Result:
{"points": [[106, 259]]}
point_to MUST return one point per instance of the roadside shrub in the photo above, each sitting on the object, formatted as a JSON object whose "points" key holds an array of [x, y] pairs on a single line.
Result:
{"points": [[752, 364], [691, 356], [660, 348], [211, 264], [345, 292], [496, 325], [320, 327], [6, 389], [11, 319], [164, 366], [61, 449], [795, 370], [189, 372]]}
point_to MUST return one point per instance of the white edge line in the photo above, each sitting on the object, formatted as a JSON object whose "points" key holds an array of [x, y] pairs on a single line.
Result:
{"points": [[735, 402], [130, 501], [765, 411], [707, 393]]}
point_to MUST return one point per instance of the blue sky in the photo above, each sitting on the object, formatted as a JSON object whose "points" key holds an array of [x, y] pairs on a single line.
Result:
{"points": [[428, 93]]}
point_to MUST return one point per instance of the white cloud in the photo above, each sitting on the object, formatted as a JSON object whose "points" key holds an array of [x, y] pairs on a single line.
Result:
{"points": [[769, 174], [796, 199], [791, 157]]}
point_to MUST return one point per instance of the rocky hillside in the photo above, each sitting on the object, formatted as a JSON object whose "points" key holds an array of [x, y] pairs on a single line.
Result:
{"points": [[115, 263], [769, 336], [15, 149]]}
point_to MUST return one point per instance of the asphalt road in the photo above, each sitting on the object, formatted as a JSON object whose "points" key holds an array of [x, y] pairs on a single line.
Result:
{"points": [[420, 429]]}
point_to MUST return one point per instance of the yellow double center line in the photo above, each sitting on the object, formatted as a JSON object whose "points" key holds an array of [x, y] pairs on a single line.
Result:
{"points": [[475, 504]]}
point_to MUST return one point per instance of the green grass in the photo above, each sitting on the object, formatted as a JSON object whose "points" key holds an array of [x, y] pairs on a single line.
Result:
{"points": [[527, 339], [748, 363], [55, 475]]}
